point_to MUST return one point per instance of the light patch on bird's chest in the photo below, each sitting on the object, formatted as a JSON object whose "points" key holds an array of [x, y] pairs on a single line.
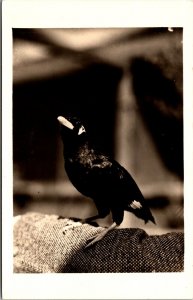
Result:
{"points": [[101, 164], [135, 204], [85, 160], [85, 157]]}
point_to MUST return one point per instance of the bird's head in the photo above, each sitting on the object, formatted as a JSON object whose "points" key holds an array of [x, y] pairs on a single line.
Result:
{"points": [[72, 130], [72, 125]]}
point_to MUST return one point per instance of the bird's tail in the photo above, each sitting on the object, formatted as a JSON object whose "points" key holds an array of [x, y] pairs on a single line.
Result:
{"points": [[141, 210], [145, 214], [150, 218]]}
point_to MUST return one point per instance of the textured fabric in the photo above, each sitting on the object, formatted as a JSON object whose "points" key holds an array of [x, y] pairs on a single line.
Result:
{"points": [[45, 243]]}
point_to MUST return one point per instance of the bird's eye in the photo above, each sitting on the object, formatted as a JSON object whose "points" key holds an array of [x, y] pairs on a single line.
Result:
{"points": [[81, 130]]}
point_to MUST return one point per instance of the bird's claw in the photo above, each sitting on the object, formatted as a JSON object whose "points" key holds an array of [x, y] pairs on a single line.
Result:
{"points": [[92, 240], [101, 235], [96, 238]]}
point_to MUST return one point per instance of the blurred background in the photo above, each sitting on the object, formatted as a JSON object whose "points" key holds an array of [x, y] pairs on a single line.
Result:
{"points": [[126, 84]]}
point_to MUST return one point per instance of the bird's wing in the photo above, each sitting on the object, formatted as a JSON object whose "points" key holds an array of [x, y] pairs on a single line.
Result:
{"points": [[116, 188], [116, 178]]}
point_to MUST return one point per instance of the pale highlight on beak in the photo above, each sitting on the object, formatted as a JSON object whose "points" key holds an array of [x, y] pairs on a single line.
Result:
{"points": [[81, 130], [65, 122]]}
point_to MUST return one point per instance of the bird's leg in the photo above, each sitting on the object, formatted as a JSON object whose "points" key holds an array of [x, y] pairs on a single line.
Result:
{"points": [[101, 235], [103, 211], [83, 221], [90, 219]]}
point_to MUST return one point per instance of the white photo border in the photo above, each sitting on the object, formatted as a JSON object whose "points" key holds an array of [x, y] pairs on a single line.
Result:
{"points": [[92, 14]]}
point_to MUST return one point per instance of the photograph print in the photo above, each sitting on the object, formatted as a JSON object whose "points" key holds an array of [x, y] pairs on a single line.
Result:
{"points": [[98, 165]]}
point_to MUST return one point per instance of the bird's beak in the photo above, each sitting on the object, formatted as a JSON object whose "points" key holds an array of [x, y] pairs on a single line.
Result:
{"points": [[65, 122]]}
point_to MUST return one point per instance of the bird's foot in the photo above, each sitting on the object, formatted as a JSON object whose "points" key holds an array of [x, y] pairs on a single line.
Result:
{"points": [[99, 236], [71, 225], [84, 221], [69, 218], [95, 238], [75, 222], [92, 223], [76, 219]]}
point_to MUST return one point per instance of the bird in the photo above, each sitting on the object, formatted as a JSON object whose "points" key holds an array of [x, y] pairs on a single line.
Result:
{"points": [[98, 176]]}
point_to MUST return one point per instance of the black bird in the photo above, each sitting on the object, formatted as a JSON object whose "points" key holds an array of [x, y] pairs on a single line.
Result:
{"points": [[99, 177]]}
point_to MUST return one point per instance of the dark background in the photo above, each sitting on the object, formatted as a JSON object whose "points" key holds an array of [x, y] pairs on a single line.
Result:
{"points": [[127, 87]]}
